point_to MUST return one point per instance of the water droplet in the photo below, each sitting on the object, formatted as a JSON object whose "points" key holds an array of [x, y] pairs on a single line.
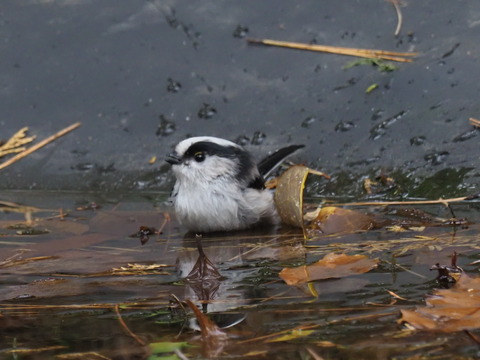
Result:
{"points": [[417, 140], [207, 112], [166, 127], [377, 114], [380, 129], [258, 138], [83, 166], [173, 86], [240, 32], [343, 126], [242, 140], [437, 158], [308, 121]]}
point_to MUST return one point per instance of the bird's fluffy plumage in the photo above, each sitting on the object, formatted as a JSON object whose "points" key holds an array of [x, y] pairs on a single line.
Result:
{"points": [[218, 187]]}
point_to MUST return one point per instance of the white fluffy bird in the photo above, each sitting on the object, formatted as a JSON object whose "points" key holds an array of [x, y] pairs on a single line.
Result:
{"points": [[219, 186]]}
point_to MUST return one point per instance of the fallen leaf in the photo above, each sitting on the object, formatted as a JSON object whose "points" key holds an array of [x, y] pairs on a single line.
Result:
{"points": [[448, 310], [331, 266], [289, 194]]}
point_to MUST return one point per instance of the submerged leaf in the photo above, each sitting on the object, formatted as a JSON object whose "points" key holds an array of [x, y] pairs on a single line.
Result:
{"points": [[331, 266], [333, 220]]}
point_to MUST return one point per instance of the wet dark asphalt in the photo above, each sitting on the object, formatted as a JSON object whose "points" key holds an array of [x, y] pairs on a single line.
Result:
{"points": [[142, 75]]}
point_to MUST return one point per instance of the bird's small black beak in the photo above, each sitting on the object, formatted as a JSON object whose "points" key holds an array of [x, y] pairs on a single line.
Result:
{"points": [[173, 159]]}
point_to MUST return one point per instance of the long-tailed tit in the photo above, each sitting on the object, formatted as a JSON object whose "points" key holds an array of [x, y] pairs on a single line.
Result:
{"points": [[219, 186]]}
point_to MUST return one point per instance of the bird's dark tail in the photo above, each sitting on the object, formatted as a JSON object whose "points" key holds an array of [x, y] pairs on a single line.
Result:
{"points": [[267, 165]]}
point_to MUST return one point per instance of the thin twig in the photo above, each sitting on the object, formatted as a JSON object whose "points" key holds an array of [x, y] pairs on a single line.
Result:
{"points": [[366, 53], [125, 327], [39, 145], [396, 5]]}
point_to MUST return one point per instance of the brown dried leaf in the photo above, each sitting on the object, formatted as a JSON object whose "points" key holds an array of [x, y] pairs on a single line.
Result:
{"points": [[289, 194], [331, 266], [449, 310]]}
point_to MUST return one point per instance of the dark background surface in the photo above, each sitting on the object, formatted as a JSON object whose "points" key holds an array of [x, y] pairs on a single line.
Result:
{"points": [[142, 75]]}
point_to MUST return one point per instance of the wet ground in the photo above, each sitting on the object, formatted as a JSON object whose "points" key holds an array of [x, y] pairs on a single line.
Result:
{"points": [[67, 288], [142, 75]]}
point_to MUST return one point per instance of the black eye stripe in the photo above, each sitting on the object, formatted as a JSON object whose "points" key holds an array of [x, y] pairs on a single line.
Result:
{"points": [[209, 148], [246, 170]]}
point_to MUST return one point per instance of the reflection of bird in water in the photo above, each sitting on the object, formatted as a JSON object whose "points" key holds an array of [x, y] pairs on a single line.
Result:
{"points": [[234, 256], [219, 187]]}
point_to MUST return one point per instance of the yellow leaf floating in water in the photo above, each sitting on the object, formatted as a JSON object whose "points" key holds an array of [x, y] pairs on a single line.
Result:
{"points": [[289, 194]]}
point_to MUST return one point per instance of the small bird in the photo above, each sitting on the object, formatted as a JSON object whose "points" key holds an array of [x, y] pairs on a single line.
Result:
{"points": [[219, 187]]}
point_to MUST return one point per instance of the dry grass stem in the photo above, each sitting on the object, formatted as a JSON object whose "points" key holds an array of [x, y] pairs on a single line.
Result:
{"points": [[16, 262], [16, 142], [474, 122], [364, 53], [396, 296], [36, 351], [396, 5], [41, 144]]}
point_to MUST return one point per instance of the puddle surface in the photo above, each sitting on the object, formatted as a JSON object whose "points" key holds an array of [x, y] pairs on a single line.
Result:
{"points": [[68, 289]]}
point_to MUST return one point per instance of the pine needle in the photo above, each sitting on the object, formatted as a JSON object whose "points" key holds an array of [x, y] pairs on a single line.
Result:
{"points": [[365, 53]]}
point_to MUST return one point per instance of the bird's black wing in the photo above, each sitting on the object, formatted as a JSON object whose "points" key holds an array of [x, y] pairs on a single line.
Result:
{"points": [[267, 165]]}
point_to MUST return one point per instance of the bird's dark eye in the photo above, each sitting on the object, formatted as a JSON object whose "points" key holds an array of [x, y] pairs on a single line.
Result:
{"points": [[199, 156]]}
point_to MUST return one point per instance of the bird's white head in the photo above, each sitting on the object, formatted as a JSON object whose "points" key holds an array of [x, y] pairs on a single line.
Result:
{"points": [[208, 158]]}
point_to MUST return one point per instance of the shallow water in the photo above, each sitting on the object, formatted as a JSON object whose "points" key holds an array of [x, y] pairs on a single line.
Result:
{"points": [[59, 289]]}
